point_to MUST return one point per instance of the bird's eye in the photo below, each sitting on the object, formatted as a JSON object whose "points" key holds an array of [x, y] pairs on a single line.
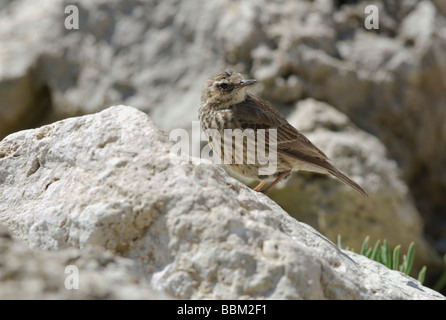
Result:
{"points": [[224, 86]]}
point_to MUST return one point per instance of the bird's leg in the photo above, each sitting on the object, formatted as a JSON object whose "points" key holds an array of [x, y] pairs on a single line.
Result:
{"points": [[260, 185], [280, 177]]}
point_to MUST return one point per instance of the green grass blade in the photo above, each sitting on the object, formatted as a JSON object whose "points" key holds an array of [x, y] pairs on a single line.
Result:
{"points": [[385, 255], [410, 258], [422, 274], [389, 256], [396, 257], [404, 264], [375, 251], [365, 245]]}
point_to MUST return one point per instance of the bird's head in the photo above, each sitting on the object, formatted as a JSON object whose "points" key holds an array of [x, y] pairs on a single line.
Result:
{"points": [[225, 89]]}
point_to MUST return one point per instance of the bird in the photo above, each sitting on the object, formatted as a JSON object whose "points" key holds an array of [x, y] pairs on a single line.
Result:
{"points": [[226, 104]]}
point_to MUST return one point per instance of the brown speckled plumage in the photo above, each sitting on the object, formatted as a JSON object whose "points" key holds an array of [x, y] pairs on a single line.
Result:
{"points": [[226, 105]]}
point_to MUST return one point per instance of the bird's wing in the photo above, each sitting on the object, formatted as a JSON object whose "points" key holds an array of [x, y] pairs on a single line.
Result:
{"points": [[255, 113]]}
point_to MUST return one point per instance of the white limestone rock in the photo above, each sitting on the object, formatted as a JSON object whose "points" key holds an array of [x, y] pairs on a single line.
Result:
{"points": [[106, 180], [68, 274]]}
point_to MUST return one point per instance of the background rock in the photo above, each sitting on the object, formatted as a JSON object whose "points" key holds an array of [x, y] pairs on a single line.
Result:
{"points": [[155, 55], [150, 54], [336, 209], [106, 180], [389, 82]]}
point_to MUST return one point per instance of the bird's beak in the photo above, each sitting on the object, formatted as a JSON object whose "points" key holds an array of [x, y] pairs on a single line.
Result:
{"points": [[246, 83]]}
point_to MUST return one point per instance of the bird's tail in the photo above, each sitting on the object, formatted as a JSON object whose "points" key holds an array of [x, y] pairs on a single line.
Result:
{"points": [[338, 174]]}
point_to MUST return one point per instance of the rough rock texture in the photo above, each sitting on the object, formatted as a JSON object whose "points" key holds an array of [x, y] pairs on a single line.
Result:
{"points": [[389, 82], [194, 232], [123, 52], [155, 55], [33, 274], [334, 208]]}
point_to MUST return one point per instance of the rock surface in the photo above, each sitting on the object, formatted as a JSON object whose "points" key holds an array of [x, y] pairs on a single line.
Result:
{"points": [[32, 274], [155, 55], [194, 232]]}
